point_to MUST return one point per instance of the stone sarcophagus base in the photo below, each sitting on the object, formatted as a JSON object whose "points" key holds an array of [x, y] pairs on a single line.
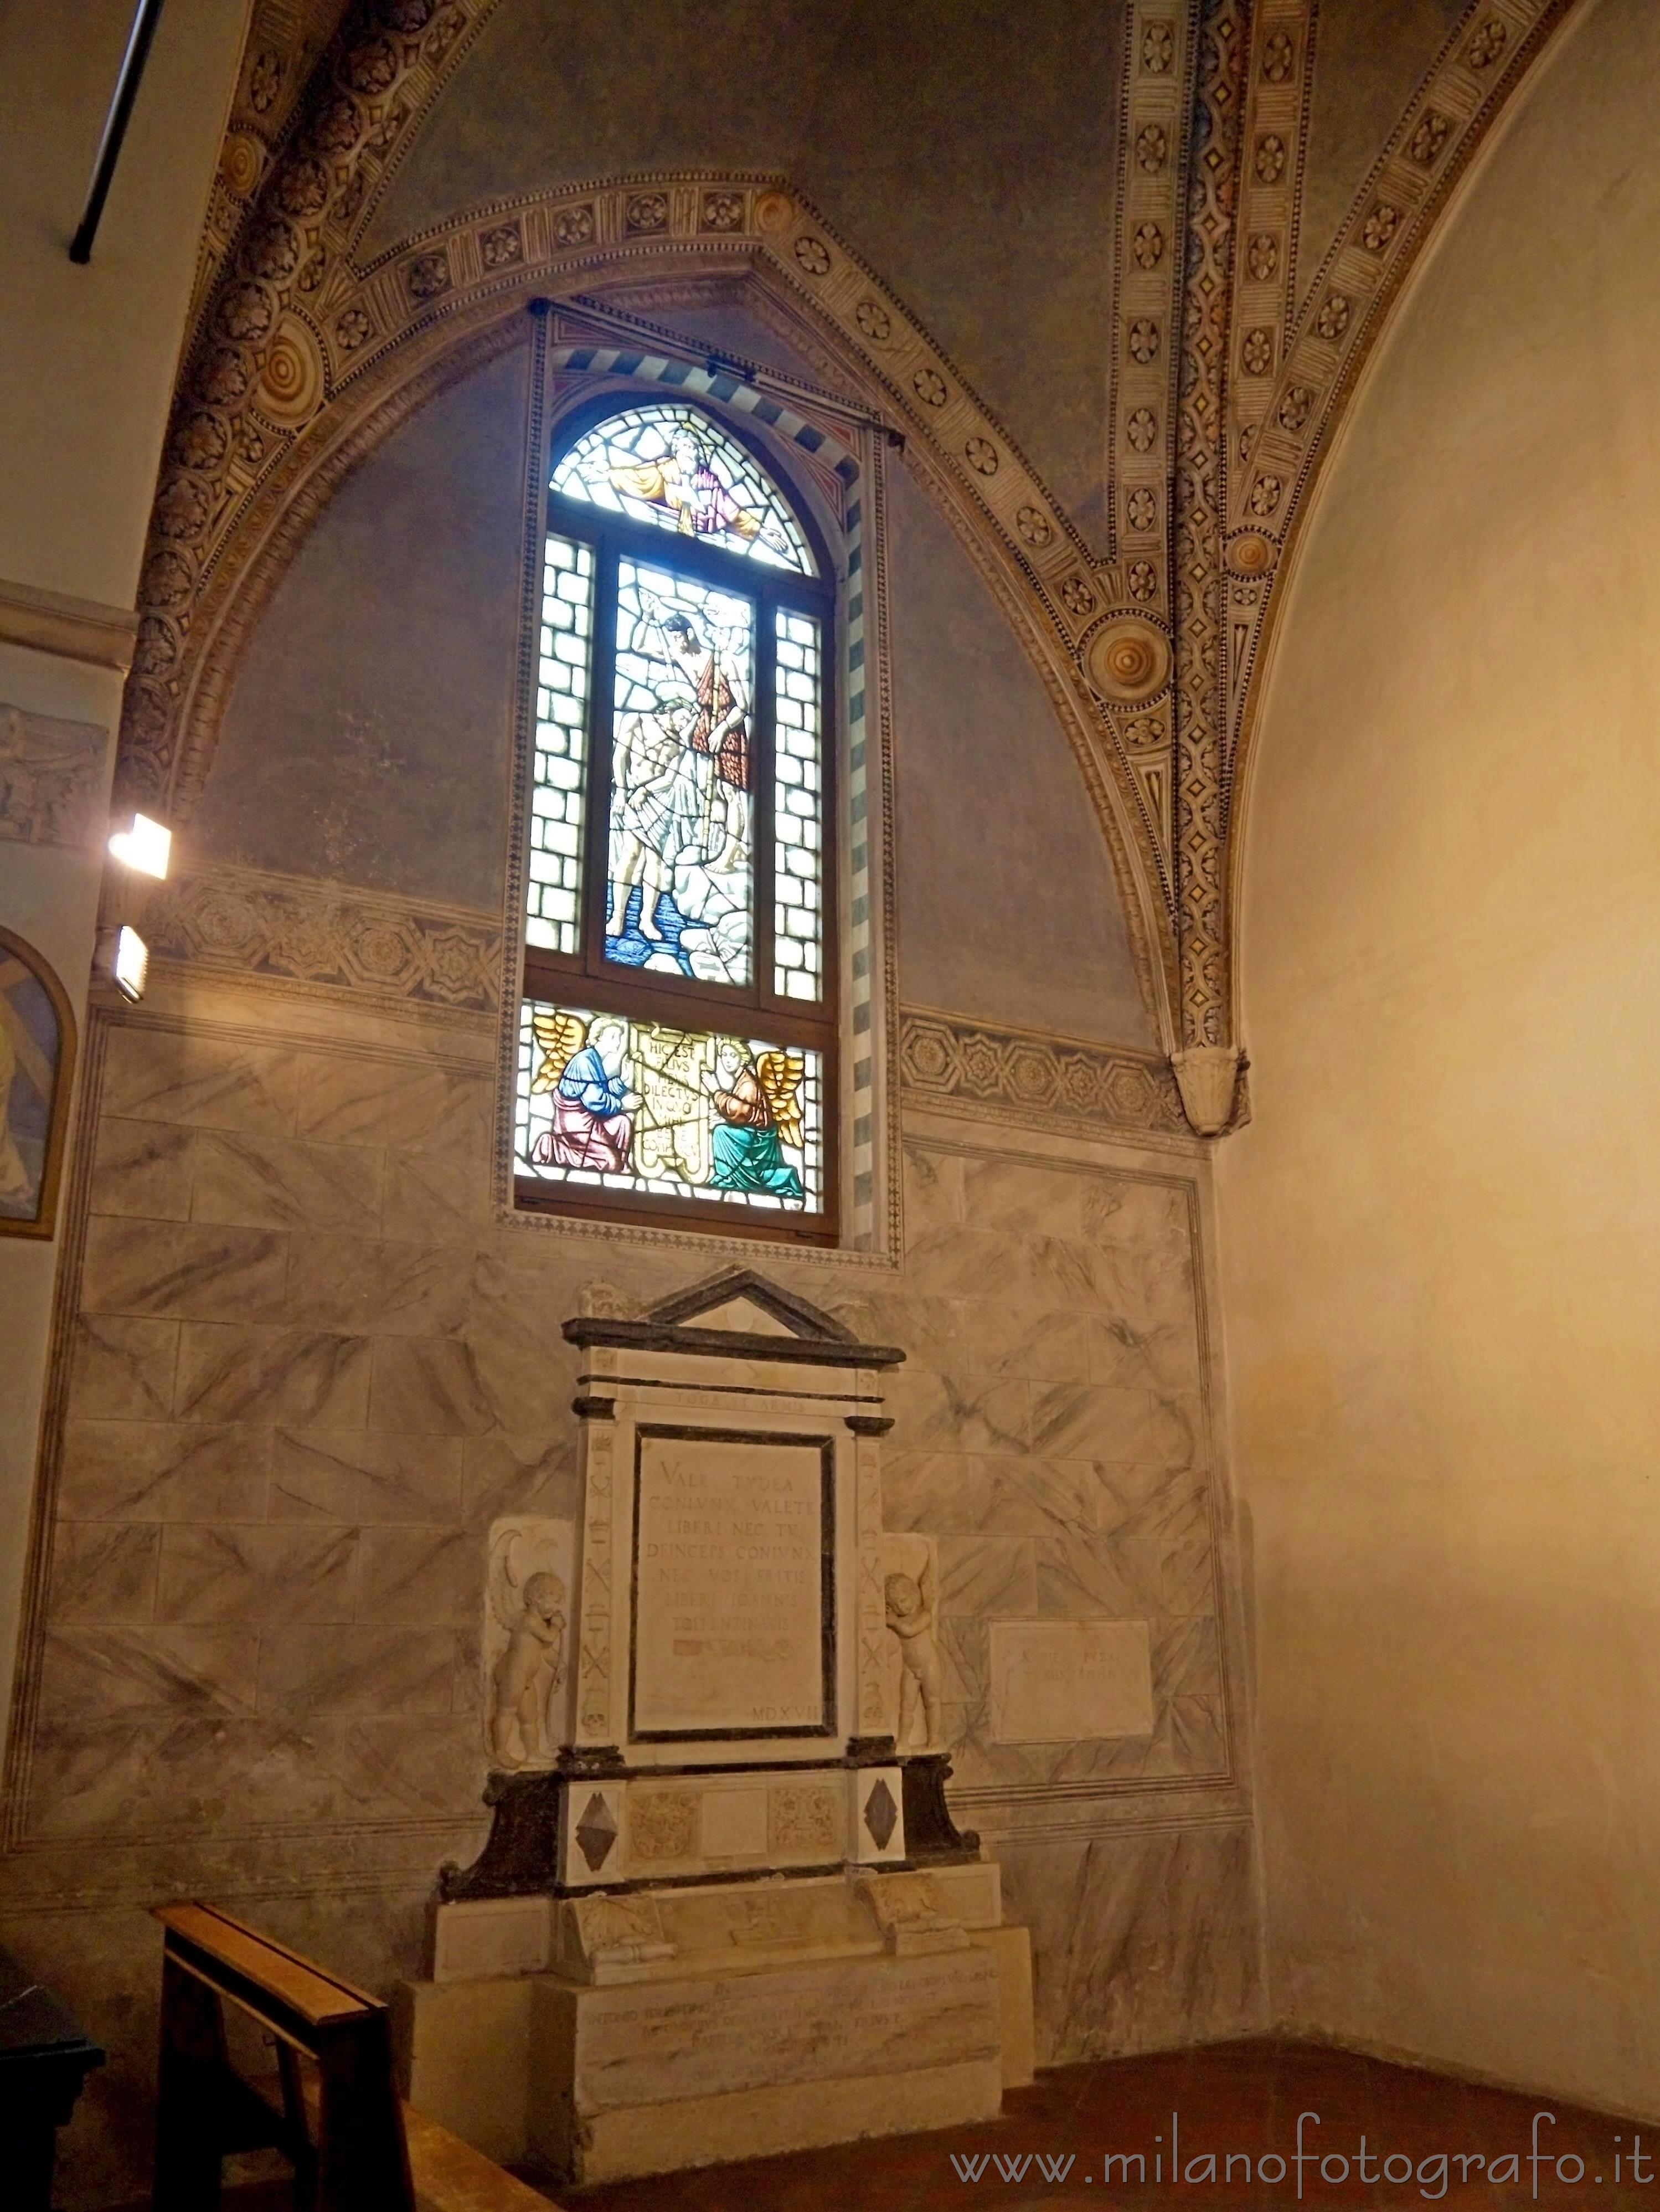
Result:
{"points": [[600, 2037]]}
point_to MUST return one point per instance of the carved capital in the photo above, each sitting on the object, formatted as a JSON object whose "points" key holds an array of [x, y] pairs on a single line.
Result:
{"points": [[1207, 1076]]}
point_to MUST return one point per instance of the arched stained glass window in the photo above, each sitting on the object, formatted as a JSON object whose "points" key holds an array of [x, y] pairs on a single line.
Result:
{"points": [[677, 1039], [673, 467]]}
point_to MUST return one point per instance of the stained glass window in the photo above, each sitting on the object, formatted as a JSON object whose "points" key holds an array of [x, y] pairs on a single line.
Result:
{"points": [[681, 866], [672, 466], [618, 1104], [677, 1046], [797, 808], [554, 870]]}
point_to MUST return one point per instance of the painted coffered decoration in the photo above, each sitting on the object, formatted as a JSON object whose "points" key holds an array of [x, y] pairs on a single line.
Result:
{"points": [[1229, 370]]}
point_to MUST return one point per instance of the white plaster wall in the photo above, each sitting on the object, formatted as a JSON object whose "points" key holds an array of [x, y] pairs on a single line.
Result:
{"points": [[86, 362], [1439, 1233]]}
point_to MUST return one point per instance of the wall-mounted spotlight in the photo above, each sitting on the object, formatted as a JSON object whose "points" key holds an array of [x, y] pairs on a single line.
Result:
{"points": [[123, 959], [145, 847]]}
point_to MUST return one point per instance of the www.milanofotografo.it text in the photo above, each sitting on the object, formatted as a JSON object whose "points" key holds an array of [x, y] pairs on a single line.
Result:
{"points": [[1311, 2164]]}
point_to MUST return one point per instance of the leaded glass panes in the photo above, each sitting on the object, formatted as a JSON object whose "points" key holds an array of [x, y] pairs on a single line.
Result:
{"points": [[669, 465], [677, 1040], [680, 859], [798, 807], [612, 1102], [553, 869]]}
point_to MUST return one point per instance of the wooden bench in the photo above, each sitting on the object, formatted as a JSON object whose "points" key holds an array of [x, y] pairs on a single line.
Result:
{"points": [[337, 2118]]}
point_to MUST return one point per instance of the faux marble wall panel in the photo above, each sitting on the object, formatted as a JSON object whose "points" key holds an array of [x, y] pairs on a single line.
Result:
{"points": [[302, 1390], [310, 1372], [310, 1369], [1052, 1431], [1140, 1939]]}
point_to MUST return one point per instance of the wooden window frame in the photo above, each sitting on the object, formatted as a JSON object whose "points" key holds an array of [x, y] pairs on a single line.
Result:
{"points": [[586, 978]]}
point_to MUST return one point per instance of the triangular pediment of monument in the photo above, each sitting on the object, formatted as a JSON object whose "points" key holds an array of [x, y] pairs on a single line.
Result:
{"points": [[747, 1304]]}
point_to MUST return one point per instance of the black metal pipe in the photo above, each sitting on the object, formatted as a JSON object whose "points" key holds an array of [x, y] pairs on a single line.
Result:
{"points": [[115, 125]]}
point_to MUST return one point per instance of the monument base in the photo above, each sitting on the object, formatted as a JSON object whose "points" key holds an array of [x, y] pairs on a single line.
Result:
{"points": [[605, 2038]]}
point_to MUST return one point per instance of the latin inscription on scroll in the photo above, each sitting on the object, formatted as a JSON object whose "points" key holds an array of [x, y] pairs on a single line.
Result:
{"points": [[729, 1603]]}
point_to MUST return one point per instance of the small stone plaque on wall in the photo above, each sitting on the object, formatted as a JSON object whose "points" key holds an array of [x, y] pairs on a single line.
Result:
{"points": [[1064, 1682], [733, 1567]]}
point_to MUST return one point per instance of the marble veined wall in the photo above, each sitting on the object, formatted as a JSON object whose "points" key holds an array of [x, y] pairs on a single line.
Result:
{"points": [[303, 1364], [308, 1366]]}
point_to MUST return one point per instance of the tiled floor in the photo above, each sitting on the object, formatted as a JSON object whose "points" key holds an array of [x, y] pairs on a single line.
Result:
{"points": [[1240, 2099]]}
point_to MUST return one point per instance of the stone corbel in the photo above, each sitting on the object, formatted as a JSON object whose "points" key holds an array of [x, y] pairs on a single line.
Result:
{"points": [[1207, 1076]]}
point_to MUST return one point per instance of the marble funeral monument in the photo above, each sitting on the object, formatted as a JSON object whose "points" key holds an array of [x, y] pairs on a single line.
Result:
{"points": [[722, 1909]]}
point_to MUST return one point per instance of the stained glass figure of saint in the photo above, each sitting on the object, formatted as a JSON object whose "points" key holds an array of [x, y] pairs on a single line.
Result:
{"points": [[582, 1066], [678, 849], [680, 859], [670, 466]]}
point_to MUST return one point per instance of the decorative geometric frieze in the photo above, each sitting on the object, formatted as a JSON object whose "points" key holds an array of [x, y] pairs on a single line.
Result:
{"points": [[946, 1059], [1199, 788], [252, 921], [1146, 295]]}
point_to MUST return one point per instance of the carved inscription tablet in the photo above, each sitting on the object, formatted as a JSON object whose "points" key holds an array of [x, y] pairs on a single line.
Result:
{"points": [[731, 1537], [1061, 1682]]}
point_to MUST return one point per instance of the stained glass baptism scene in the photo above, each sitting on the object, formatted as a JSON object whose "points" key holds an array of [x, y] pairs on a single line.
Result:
{"points": [[705, 701]]}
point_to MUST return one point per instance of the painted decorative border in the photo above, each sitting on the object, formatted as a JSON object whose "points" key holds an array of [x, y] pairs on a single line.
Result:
{"points": [[1146, 296], [252, 922], [1234, 1772], [946, 1060], [1285, 392]]}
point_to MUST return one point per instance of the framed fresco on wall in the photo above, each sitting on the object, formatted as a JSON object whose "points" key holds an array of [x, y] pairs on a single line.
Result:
{"points": [[37, 1069]]}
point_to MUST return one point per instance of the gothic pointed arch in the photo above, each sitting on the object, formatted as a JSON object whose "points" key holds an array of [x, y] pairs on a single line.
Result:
{"points": [[380, 339]]}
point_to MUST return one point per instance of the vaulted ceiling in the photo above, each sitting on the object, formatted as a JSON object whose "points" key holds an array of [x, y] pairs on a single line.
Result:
{"points": [[1112, 269]]}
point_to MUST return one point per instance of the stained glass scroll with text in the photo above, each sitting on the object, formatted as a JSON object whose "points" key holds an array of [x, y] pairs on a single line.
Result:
{"points": [[669, 465], [680, 861], [553, 885], [611, 1102]]}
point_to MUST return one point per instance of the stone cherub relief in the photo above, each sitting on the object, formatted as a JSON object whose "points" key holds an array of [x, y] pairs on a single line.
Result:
{"points": [[526, 1632], [910, 1589]]}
